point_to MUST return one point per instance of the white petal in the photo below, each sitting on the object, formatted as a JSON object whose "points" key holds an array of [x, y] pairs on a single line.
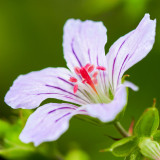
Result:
{"points": [[48, 123], [28, 91], [131, 85], [108, 112], [84, 42], [130, 49]]}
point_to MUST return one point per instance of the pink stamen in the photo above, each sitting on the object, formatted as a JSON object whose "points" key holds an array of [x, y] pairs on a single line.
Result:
{"points": [[95, 81], [101, 68], [77, 70], [75, 88], [95, 74], [84, 74], [84, 81], [91, 68], [87, 66], [73, 79]]}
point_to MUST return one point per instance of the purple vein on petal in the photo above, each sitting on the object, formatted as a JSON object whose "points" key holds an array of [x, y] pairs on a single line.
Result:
{"points": [[89, 55], [70, 84], [100, 72], [62, 117], [134, 50], [65, 81], [83, 111], [121, 68], [61, 90], [60, 109], [61, 95], [114, 62], [73, 51], [117, 54], [66, 92]]}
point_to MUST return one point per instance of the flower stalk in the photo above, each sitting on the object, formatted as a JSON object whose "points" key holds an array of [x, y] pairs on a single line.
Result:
{"points": [[121, 129]]}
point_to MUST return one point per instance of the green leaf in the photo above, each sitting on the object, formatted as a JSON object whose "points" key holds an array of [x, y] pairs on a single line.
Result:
{"points": [[15, 151], [77, 155], [156, 136], [4, 127], [123, 147], [148, 122], [135, 155], [11, 146]]}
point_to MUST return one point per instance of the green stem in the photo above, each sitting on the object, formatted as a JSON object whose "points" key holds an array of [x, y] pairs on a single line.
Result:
{"points": [[120, 128]]}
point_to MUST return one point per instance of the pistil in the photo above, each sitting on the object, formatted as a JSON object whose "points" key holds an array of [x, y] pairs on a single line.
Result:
{"points": [[86, 77], [85, 74]]}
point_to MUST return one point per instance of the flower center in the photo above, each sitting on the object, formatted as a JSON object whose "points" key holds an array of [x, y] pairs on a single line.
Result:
{"points": [[87, 76]]}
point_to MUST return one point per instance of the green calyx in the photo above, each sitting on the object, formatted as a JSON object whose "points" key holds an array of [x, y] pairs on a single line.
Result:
{"points": [[144, 143], [135, 155], [123, 147], [148, 123]]}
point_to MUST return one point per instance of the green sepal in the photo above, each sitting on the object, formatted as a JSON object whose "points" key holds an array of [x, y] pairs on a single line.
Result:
{"points": [[148, 123], [135, 155], [123, 147], [156, 136]]}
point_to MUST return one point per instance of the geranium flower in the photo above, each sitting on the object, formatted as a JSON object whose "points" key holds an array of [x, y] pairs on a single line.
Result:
{"points": [[93, 81]]}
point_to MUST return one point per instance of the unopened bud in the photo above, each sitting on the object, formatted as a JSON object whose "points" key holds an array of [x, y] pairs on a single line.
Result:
{"points": [[150, 149]]}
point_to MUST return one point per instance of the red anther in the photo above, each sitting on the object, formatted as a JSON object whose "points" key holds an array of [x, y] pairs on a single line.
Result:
{"points": [[77, 70], [87, 66], [73, 79], [101, 68], [91, 68], [95, 74], [95, 81], [75, 88], [83, 81]]}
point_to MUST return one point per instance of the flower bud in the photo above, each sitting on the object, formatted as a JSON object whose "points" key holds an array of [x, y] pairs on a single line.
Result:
{"points": [[150, 149]]}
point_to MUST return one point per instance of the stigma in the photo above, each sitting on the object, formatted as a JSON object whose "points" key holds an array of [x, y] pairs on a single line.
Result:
{"points": [[88, 76]]}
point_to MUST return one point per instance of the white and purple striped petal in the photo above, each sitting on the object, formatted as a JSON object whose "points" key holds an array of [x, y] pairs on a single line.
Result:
{"points": [[28, 91], [84, 42], [48, 122], [130, 49], [131, 85], [108, 112]]}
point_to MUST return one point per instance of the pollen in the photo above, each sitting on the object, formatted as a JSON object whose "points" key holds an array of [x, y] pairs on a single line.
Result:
{"points": [[91, 68], [75, 88], [87, 66], [77, 70], [95, 74], [83, 81], [101, 68], [73, 79], [95, 81]]}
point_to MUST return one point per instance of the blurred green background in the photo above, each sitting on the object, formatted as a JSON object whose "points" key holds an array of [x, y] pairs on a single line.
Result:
{"points": [[31, 39]]}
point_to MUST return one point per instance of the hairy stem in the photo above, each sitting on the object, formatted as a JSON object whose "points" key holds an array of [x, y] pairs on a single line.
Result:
{"points": [[121, 130]]}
